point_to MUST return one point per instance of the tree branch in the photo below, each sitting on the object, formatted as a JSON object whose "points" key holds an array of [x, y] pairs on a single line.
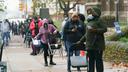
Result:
{"points": [[69, 3], [74, 4], [64, 3], [60, 4]]}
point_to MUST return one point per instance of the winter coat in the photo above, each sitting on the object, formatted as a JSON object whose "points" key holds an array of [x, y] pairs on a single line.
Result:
{"points": [[45, 33], [73, 36], [32, 27], [95, 39]]}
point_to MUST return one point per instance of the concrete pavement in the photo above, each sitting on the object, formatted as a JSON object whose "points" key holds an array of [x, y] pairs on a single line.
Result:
{"points": [[19, 59]]}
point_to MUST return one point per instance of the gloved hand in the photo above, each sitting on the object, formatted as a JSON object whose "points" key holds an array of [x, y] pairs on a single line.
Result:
{"points": [[78, 42]]}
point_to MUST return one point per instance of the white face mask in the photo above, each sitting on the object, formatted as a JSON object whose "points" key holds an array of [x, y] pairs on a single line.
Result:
{"points": [[90, 17]]}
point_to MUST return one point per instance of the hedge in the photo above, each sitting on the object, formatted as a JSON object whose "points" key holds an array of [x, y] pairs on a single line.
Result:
{"points": [[116, 52]]}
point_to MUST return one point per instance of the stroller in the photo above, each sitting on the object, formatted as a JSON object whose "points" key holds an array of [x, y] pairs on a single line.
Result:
{"points": [[78, 61]]}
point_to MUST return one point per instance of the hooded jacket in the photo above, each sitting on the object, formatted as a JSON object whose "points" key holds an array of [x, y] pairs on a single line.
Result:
{"points": [[39, 23], [44, 33], [95, 39], [32, 27]]}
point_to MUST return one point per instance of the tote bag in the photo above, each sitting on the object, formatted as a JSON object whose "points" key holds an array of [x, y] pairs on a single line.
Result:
{"points": [[79, 61], [36, 43]]}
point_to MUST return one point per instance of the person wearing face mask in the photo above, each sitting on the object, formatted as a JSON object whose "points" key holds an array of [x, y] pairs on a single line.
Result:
{"points": [[94, 38], [73, 30]]}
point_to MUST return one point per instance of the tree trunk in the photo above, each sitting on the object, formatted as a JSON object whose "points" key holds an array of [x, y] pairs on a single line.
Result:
{"points": [[66, 13], [34, 11]]}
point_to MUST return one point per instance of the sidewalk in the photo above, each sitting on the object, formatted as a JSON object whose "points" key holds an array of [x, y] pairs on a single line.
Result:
{"points": [[19, 60]]}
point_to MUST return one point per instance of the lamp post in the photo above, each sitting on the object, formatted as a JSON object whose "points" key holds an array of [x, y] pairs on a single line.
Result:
{"points": [[117, 10]]}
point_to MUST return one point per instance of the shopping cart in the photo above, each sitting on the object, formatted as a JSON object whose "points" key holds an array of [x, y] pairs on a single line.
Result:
{"points": [[78, 61], [55, 45]]}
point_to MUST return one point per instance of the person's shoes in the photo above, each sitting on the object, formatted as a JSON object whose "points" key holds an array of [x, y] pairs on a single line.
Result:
{"points": [[69, 70], [46, 64], [33, 54], [52, 63]]}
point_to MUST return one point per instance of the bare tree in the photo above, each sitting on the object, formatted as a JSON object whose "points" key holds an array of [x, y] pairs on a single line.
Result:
{"points": [[65, 5]]}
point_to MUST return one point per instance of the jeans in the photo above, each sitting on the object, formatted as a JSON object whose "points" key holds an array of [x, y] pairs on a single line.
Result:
{"points": [[5, 38], [70, 53], [95, 58], [9, 35]]}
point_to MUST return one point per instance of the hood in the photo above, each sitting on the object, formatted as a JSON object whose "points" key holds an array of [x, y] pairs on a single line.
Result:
{"points": [[95, 11], [45, 20]]}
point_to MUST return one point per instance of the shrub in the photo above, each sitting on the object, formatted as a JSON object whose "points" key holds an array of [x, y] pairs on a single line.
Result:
{"points": [[116, 52], [108, 20], [123, 39], [113, 37], [116, 37]]}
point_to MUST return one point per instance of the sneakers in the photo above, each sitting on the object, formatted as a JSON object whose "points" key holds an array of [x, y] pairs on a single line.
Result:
{"points": [[52, 63], [46, 64], [33, 54]]}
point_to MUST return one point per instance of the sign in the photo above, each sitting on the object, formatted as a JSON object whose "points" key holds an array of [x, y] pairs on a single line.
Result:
{"points": [[117, 27], [44, 13]]}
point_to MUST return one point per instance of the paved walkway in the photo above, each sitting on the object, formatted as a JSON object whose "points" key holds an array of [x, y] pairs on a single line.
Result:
{"points": [[19, 59]]}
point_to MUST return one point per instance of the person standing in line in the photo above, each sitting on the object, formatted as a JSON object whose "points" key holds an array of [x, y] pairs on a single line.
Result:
{"points": [[94, 38], [5, 29], [73, 30], [32, 29], [62, 32], [45, 32]]}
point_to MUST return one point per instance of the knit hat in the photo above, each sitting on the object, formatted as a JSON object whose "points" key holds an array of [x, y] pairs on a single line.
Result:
{"points": [[95, 11]]}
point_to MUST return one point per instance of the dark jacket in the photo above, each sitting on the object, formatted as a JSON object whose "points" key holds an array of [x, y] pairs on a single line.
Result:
{"points": [[73, 36], [95, 39]]}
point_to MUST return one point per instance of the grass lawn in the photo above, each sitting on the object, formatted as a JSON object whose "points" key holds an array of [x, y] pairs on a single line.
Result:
{"points": [[58, 24]]}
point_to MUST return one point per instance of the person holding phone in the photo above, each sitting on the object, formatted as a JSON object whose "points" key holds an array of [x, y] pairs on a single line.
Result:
{"points": [[73, 31]]}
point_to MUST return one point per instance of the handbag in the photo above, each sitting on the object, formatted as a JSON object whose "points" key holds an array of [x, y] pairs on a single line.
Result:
{"points": [[36, 43], [79, 61]]}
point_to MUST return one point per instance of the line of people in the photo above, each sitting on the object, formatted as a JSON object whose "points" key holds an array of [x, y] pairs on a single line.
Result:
{"points": [[73, 31], [41, 30]]}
